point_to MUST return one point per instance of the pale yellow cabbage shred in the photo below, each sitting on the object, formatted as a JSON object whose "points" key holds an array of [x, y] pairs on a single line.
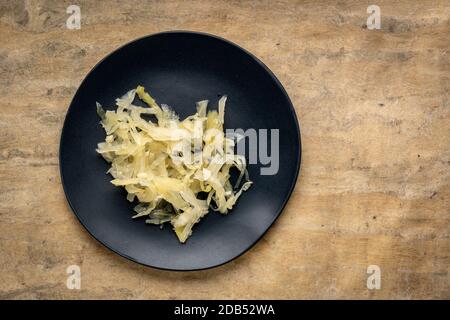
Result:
{"points": [[146, 160]]}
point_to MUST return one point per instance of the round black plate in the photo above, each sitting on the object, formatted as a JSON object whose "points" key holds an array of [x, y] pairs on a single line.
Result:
{"points": [[179, 68]]}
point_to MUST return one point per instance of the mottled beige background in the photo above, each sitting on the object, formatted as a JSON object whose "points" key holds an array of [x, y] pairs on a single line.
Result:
{"points": [[375, 120]]}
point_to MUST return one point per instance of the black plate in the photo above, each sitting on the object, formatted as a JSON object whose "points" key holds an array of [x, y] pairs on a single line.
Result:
{"points": [[179, 68]]}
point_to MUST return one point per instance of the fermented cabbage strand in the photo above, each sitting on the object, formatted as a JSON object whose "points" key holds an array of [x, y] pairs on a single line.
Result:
{"points": [[176, 170]]}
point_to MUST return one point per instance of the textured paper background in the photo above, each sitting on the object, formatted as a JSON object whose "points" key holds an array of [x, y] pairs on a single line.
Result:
{"points": [[375, 120]]}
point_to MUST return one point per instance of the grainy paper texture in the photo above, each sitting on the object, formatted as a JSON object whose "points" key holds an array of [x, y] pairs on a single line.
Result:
{"points": [[374, 111]]}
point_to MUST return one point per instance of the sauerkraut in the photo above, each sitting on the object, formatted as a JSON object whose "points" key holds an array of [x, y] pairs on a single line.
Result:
{"points": [[175, 169]]}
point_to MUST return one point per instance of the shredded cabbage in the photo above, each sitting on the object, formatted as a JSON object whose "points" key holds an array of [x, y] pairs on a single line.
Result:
{"points": [[175, 169]]}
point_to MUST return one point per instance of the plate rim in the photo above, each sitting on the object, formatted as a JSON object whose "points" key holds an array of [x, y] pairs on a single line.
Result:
{"points": [[278, 84]]}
